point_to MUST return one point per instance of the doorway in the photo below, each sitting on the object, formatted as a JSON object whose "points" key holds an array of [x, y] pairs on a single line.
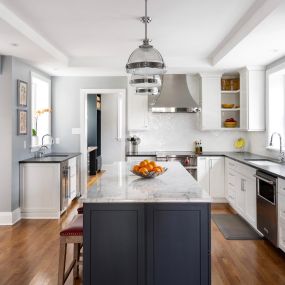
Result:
{"points": [[112, 124]]}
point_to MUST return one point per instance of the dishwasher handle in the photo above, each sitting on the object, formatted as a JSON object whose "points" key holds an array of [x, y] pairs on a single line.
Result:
{"points": [[264, 179]]}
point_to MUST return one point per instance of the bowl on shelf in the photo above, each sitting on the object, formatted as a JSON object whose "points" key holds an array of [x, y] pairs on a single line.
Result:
{"points": [[228, 106], [230, 124]]}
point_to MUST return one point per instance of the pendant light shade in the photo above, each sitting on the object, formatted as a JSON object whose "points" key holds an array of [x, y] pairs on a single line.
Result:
{"points": [[146, 60], [148, 91], [146, 81]]}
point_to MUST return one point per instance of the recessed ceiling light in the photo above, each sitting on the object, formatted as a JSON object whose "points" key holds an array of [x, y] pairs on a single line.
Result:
{"points": [[14, 44]]}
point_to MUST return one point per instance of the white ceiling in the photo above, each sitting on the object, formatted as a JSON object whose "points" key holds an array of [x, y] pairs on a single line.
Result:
{"points": [[96, 37]]}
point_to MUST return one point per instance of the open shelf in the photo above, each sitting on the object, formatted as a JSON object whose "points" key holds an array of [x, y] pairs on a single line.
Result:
{"points": [[230, 91], [230, 97], [230, 109]]}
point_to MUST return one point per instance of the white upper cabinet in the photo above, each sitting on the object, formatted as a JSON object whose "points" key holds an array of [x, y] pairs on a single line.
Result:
{"points": [[252, 84], [210, 101], [248, 101], [137, 111]]}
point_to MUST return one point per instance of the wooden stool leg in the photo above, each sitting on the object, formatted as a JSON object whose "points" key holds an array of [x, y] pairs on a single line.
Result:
{"points": [[76, 256], [62, 259]]}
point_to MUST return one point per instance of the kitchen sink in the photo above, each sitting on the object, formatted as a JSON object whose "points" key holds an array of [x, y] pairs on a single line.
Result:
{"points": [[56, 155], [262, 162]]}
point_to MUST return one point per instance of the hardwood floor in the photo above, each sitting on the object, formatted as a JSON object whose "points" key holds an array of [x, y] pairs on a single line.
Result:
{"points": [[29, 255]]}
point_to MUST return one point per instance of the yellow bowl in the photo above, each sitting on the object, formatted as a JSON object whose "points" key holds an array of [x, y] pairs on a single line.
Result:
{"points": [[230, 124], [228, 106]]}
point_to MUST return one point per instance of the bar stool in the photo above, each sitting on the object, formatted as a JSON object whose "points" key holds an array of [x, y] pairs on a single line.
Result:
{"points": [[73, 233]]}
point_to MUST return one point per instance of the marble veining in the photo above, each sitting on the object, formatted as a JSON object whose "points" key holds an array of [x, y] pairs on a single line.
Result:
{"points": [[118, 184]]}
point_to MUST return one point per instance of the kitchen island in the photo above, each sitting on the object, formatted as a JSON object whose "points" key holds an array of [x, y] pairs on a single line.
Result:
{"points": [[146, 231]]}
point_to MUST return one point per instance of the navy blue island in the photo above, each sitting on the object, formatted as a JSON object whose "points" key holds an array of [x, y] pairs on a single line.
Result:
{"points": [[146, 231]]}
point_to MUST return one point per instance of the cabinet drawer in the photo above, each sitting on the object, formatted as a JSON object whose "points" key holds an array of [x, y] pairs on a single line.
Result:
{"points": [[281, 186], [231, 195], [231, 178], [231, 164]]}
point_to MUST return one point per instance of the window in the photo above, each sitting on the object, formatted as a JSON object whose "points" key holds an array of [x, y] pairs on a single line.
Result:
{"points": [[41, 108], [276, 106]]}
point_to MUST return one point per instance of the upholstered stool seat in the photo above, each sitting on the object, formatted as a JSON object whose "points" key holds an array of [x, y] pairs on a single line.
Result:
{"points": [[73, 234], [80, 210], [75, 228]]}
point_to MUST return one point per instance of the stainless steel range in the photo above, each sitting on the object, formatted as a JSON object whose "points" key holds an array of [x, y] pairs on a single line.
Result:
{"points": [[187, 159]]}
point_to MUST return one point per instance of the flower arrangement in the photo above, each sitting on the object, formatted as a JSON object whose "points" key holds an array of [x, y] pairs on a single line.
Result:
{"points": [[39, 113]]}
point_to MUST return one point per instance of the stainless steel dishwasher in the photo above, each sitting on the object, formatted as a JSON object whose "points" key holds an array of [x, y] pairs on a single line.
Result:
{"points": [[266, 188], [64, 185]]}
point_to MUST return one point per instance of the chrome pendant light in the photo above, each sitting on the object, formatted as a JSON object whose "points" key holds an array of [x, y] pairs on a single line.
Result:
{"points": [[146, 60], [147, 81]]}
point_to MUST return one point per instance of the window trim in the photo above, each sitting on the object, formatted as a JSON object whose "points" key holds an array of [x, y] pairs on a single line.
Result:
{"points": [[274, 68], [48, 80]]}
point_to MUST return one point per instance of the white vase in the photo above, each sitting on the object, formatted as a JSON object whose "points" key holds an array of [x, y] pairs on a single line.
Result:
{"points": [[35, 140]]}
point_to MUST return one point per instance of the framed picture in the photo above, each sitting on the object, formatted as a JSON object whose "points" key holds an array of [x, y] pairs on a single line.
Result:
{"points": [[22, 93], [22, 122]]}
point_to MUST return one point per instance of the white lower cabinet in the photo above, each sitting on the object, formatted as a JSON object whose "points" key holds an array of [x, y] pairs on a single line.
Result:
{"points": [[211, 176], [241, 189], [42, 192], [281, 214]]}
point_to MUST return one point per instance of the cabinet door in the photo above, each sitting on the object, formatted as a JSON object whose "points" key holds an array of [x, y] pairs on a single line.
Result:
{"points": [[240, 195], [114, 248], [217, 173], [203, 177], [210, 102], [250, 200], [252, 84], [178, 244], [137, 111]]}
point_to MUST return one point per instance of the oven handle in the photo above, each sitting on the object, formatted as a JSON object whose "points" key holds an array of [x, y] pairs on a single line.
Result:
{"points": [[264, 179]]}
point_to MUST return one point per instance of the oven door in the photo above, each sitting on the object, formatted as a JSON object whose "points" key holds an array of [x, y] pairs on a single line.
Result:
{"points": [[266, 206]]}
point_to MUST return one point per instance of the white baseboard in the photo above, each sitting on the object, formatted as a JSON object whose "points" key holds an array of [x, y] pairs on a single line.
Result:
{"points": [[219, 200], [40, 215], [10, 218]]}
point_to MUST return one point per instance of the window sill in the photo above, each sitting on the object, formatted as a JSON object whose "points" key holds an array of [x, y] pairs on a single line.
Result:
{"points": [[274, 148]]}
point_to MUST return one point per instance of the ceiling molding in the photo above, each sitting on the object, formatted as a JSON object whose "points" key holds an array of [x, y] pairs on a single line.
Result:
{"points": [[253, 17], [13, 20]]}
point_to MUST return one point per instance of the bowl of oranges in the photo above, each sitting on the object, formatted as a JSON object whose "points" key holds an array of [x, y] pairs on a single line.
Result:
{"points": [[148, 169]]}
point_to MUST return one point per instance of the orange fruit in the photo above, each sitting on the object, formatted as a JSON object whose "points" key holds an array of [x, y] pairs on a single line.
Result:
{"points": [[147, 161], [143, 170], [160, 167], [149, 167], [157, 169], [136, 168], [153, 163], [143, 164]]}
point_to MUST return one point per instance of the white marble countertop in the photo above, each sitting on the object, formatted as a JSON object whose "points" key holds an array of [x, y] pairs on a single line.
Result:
{"points": [[119, 185]]}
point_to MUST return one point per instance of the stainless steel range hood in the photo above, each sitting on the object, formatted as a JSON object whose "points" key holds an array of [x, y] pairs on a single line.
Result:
{"points": [[175, 96]]}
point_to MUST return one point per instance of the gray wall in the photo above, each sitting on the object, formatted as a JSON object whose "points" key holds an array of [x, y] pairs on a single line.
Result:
{"points": [[66, 105], [11, 144], [6, 134]]}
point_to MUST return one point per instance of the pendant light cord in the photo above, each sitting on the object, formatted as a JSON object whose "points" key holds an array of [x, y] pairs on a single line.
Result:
{"points": [[145, 23]]}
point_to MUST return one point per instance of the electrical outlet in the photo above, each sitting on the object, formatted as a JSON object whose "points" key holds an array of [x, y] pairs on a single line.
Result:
{"points": [[25, 144], [57, 140]]}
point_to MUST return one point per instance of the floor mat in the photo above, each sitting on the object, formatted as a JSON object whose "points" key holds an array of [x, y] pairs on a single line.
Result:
{"points": [[233, 227]]}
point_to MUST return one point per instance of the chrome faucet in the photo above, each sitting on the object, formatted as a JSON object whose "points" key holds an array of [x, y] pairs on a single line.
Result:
{"points": [[282, 154], [47, 135], [40, 153]]}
